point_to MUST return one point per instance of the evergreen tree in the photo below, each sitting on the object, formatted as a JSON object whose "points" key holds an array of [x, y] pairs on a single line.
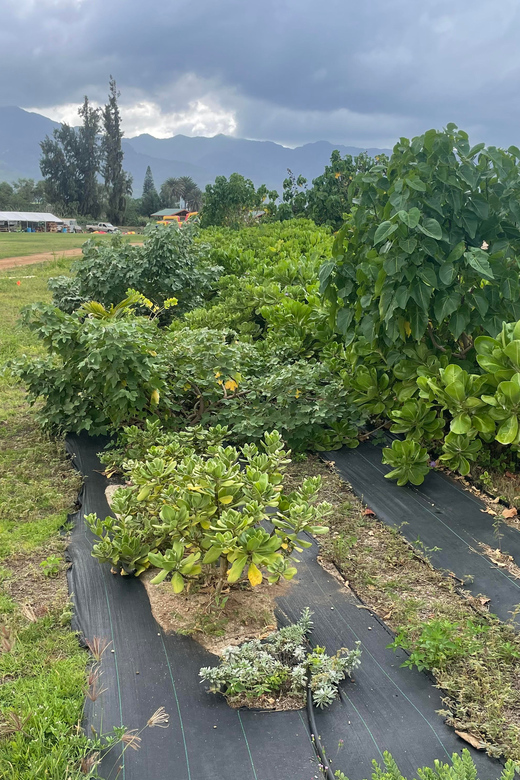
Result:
{"points": [[118, 183], [89, 159], [150, 201]]}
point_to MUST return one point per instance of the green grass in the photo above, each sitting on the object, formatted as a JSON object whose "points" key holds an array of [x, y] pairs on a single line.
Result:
{"points": [[42, 667], [20, 244]]}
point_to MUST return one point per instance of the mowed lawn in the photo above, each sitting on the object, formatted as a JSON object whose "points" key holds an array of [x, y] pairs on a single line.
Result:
{"points": [[21, 244]]}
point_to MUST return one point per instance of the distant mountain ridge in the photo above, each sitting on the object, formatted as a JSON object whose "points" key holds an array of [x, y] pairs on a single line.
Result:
{"points": [[202, 158]]}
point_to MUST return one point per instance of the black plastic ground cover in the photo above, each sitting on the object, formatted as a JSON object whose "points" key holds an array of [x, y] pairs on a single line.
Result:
{"points": [[446, 520], [385, 708]]}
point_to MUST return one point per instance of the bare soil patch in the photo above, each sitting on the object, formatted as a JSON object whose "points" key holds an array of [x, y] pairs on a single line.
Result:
{"points": [[42, 257], [27, 584], [246, 614]]}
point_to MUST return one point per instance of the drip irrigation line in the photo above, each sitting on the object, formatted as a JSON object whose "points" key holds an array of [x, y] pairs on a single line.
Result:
{"points": [[316, 739]]}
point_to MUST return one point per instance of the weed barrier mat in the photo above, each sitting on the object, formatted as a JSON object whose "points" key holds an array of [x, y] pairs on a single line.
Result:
{"points": [[444, 520], [386, 707]]}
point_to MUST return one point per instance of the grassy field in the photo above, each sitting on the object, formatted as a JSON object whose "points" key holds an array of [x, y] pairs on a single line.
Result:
{"points": [[42, 668], [20, 244]]}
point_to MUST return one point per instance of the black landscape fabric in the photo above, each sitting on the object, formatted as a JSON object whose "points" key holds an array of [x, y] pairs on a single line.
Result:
{"points": [[448, 522], [386, 707]]}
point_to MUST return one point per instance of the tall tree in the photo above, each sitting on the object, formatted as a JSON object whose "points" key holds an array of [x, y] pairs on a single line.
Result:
{"points": [[150, 200], [118, 183], [190, 193], [59, 167], [231, 203], [171, 192], [89, 159]]}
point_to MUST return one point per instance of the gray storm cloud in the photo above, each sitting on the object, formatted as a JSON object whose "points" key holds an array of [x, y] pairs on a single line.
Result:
{"points": [[292, 71]]}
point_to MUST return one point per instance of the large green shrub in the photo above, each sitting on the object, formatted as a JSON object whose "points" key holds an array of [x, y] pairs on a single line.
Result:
{"points": [[430, 250], [170, 263], [100, 373]]}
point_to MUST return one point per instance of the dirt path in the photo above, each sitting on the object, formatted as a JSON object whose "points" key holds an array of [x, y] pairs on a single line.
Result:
{"points": [[14, 262]]}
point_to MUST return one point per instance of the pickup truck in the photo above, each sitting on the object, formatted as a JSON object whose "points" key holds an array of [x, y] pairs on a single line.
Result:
{"points": [[102, 227]]}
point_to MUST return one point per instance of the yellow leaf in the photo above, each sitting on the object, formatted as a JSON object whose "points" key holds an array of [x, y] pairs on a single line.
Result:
{"points": [[155, 397], [407, 329], [186, 387], [217, 374], [231, 385], [337, 175], [254, 575], [226, 499], [297, 394]]}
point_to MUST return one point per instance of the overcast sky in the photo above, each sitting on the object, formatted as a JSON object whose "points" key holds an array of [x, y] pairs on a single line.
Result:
{"points": [[360, 73]]}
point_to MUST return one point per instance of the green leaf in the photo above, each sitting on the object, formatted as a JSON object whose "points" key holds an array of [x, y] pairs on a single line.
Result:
{"points": [[344, 318], [392, 265], [177, 583], [447, 273], [421, 293], [457, 252], [445, 304], [430, 227], [461, 424], [416, 184], [509, 288], [408, 245], [418, 323], [477, 259], [508, 431], [237, 568], [409, 218], [458, 322], [384, 230]]}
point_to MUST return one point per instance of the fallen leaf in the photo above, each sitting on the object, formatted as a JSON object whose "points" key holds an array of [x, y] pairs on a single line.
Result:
{"points": [[474, 741], [491, 512], [368, 513], [496, 500], [508, 474], [508, 513], [483, 600]]}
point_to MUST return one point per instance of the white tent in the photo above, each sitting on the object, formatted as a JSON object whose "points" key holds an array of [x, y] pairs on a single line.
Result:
{"points": [[28, 216]]}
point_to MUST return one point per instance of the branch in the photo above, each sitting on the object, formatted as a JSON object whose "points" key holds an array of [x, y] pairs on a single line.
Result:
{"points": [[434, 340]]}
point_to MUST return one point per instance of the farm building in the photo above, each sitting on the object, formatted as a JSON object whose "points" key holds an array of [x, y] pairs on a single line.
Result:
{"points": [[29, 221], [168, 214]]}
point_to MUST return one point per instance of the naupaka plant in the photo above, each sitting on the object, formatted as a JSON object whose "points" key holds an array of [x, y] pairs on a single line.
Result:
{"points": [[209, 513]]}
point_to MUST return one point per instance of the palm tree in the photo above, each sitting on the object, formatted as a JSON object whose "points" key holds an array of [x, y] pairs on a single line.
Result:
{"points": [[171, 192], [183, 188]]}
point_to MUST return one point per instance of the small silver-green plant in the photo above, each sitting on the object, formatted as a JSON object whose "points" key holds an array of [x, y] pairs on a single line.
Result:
{"points": [[283, 665]]}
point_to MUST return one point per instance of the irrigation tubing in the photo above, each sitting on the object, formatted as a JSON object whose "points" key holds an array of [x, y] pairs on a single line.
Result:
{"points": [[385, 707]]}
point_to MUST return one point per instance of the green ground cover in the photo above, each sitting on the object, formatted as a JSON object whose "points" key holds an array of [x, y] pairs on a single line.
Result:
{"points": [[21, 244], [42, 667]]}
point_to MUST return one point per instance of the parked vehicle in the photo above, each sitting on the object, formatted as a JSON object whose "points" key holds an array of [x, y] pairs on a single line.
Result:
{"points": [[102, 227], [72, 226]]}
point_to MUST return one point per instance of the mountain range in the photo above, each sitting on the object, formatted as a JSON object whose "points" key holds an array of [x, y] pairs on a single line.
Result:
{"points": [[265, 162]]}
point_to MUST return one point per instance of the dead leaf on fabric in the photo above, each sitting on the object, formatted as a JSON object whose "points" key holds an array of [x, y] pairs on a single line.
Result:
{"points": [[474, 741], [491, 512], [368, 513], [508, 513]]}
